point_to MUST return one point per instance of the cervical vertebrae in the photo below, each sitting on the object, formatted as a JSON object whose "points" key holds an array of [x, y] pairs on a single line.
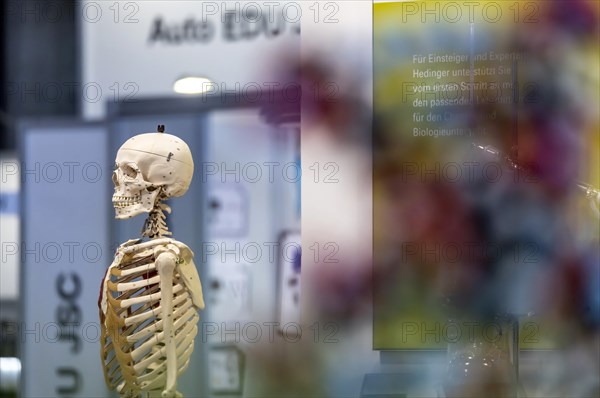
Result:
{"points": [[151, 292], [155, 225]]}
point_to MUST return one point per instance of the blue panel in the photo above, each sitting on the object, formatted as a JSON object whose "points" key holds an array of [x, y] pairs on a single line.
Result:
{"points": [[65, 253], [9, 203]]}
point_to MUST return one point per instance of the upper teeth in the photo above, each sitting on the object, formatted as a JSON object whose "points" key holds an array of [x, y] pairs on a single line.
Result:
{"points": [[123, 201], [125, 198]]}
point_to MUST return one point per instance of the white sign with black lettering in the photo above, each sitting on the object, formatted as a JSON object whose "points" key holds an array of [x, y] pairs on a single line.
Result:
{"points": [[289, 267], [227, 210], [229, 290], [9, 228], [138, 50]]}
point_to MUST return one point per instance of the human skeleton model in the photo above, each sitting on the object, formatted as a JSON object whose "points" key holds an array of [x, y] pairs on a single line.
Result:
{"points": [[151, 293]]}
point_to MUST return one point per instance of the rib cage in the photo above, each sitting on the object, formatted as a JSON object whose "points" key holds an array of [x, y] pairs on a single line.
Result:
{"points": [[132, 338]]}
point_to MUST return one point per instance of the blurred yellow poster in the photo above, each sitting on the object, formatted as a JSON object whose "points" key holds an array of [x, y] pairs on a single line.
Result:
{"points": [[485, 126]]}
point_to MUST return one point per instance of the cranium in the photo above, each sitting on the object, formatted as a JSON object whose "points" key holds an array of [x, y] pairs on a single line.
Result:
{"points": [[145, 163]]}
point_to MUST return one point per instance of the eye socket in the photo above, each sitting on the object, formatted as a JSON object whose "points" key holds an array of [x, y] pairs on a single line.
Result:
{"points": [[129, 171]]}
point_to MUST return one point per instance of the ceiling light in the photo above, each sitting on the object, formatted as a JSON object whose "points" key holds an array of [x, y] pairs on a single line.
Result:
{"points": [[192, 85]]}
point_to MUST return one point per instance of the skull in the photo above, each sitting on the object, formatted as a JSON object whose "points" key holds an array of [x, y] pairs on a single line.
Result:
{"points": [[145, 163]]}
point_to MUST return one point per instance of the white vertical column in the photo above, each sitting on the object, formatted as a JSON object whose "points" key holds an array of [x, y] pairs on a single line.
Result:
{"points": [[336, 184]]}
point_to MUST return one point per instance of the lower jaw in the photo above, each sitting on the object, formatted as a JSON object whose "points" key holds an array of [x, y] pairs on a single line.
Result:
{"points": [[129, 211]]}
